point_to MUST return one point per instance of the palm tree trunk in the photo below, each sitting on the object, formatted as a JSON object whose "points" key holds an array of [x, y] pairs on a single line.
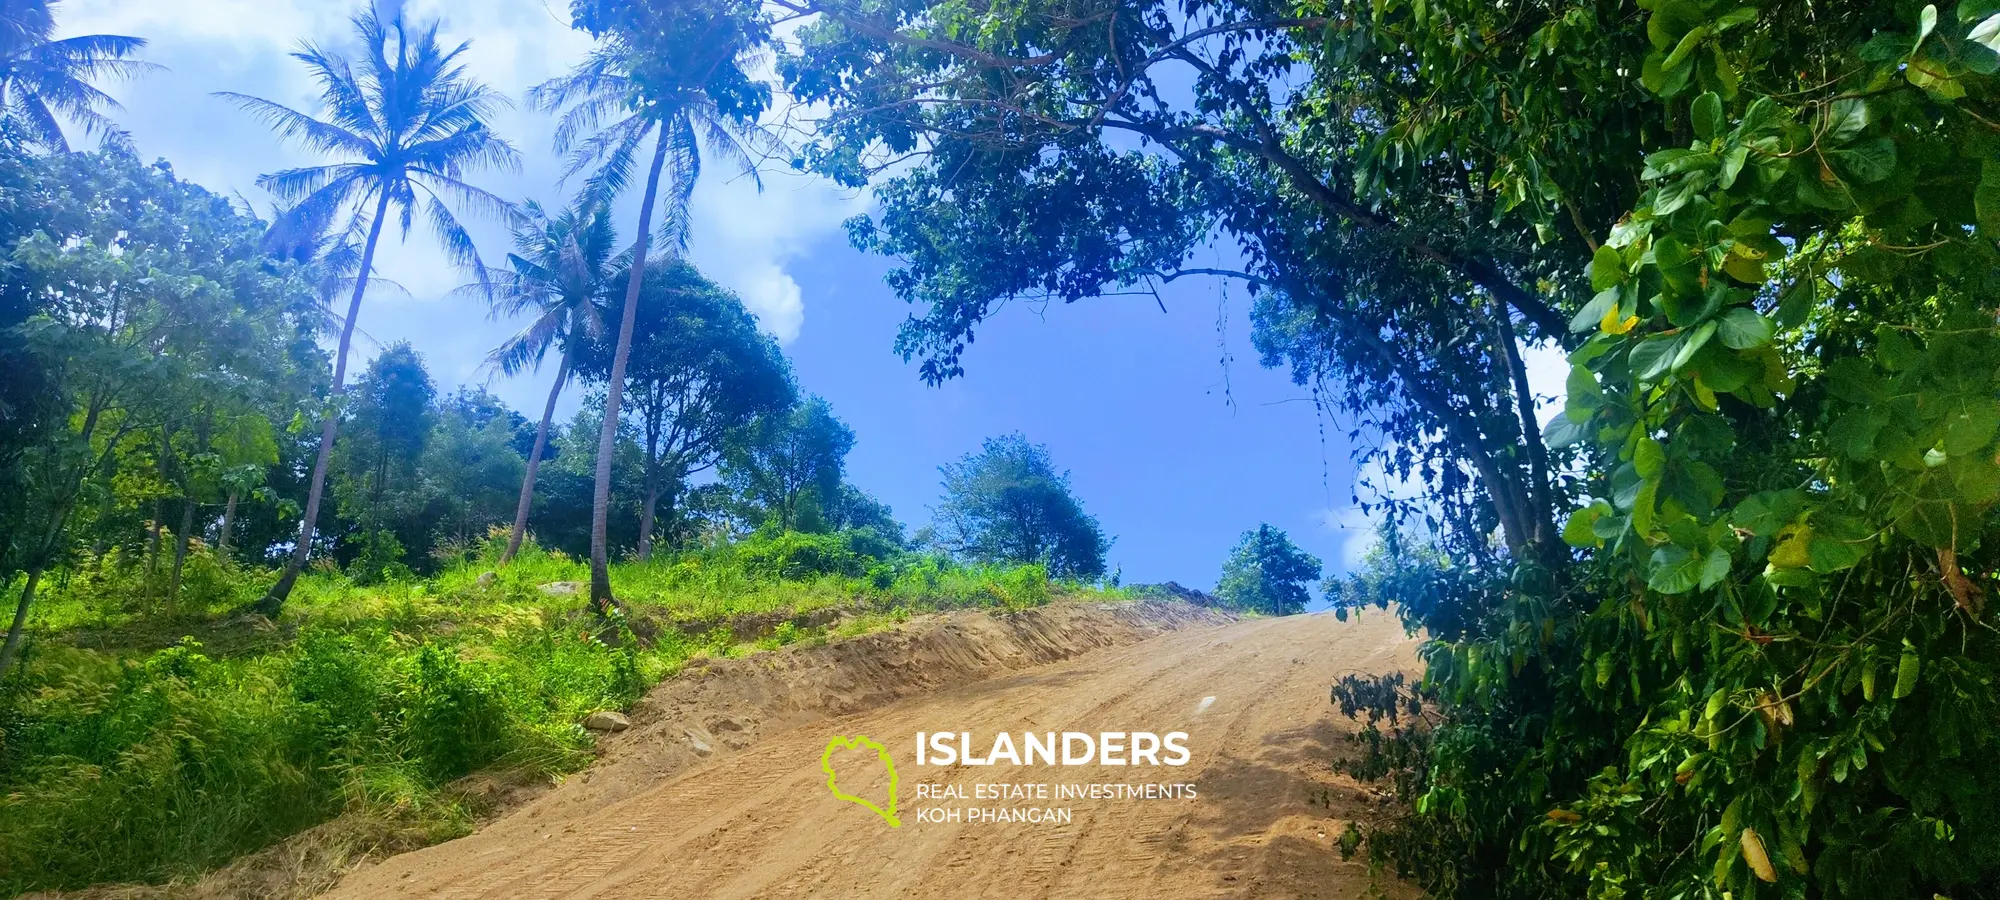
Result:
{"points": [[607, 438], [274, 602], [228, 520], [535, 463]]}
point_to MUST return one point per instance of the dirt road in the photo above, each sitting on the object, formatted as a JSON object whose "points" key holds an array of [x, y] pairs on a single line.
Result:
{"points": [[760, 821]]}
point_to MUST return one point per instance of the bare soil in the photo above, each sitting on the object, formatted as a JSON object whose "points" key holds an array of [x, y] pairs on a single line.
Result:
{"points": [[717, 789]]}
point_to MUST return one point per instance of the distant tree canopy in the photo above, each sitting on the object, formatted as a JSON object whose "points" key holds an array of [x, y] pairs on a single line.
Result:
{"points": [[788, 465], [1008, 502], [699, 371], [1266, 572]]}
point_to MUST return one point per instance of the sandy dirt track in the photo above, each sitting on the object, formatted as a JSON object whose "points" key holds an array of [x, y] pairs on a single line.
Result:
{"points": [[759, 821]]}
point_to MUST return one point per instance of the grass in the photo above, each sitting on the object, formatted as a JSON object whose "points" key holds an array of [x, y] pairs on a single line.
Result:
{"points": [[134, 747]]}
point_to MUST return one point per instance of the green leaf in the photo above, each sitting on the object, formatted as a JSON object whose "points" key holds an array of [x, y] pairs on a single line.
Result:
{"points": [[1742, 328], [1838, 542], [1926, 23], [1562, 431], [1853, 434], [1907, 669], [1593, 312], [1797, 302], [1580, 530], [1868, 161], [1687, 45], [1986, 199], [1692, 343], [1649, 458], [1675, 570], [1972, 427], [1714, 568], [1766, 513], [1845, 120], [1607, 269], [1653, 357], [1707, 116]]}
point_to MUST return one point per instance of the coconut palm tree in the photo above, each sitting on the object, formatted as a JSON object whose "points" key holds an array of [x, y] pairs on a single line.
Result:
{"points": [[42, 78], [676, 74], [563, 270], [406, 129]]}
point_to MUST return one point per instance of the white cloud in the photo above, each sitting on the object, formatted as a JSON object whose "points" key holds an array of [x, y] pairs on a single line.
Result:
{"points": [[744, 239]]}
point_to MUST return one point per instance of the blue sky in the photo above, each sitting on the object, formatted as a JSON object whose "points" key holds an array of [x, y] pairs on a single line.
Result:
{"points": [[1175, 451]]}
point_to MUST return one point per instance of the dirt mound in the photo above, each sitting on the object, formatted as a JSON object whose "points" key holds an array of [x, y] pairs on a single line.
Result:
{"points": [[716, 706]]}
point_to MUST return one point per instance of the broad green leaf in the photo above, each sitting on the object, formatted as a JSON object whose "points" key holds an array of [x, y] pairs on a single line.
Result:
{"points": [[1838, 542], [1845, 120], [1607, 269], [1986, 199], [1692, 342], [1973, 427], [1853, 434], [1649, 458], [1594, 312], [1868, 161], [1766, 513], [1653, 356], [1715, 567], [1707, 116], [1562, 431], [1742, 328], [1675, 570], [1580, 529]]}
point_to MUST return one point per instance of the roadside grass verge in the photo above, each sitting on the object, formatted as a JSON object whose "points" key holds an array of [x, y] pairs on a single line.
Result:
{"points": [[140, 748]]}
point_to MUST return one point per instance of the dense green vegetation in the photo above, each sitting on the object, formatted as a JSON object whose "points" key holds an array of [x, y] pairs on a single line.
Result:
{"points": [[138, 749], [1719, 629]]}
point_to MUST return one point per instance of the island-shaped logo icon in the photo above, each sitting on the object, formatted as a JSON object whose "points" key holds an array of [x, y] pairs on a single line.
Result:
{"points": [[842, 742]]}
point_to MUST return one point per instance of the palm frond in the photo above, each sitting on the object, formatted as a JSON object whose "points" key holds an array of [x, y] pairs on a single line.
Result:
{"points": [[313, 133]]}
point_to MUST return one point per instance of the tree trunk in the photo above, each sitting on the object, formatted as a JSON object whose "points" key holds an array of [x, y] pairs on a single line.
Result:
{"points": [[152, 568], [228, 520], [652, 501], [186, 531], [535, 463], [607, 438], [13, 646], [274, 601], [180, 556]]}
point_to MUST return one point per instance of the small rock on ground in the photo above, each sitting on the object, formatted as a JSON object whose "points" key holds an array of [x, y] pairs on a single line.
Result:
{"points": [[606, 720]]}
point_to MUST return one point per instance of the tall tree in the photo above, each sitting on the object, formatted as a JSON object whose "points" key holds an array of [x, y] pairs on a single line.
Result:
{"points": [[408, 127], [678, 73], [789, 463], [1009, 503], [1764, 230], [698, 371], [1268, 573], [44, 79], [562, 271], [150, 294]]}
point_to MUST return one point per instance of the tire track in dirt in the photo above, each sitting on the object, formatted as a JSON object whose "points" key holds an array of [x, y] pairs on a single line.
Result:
{"points": [[760, 822]]}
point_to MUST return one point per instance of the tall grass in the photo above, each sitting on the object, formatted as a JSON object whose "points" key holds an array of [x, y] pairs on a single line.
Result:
{"points": [[134, 748]]}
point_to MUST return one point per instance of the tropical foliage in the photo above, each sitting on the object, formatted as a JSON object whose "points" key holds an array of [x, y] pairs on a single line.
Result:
{"points": [[1268, 573], [1719, 627]]}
